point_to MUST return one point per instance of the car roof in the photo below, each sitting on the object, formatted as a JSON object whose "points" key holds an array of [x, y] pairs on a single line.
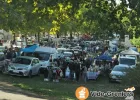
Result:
{"points": [[122, 65], [68, 52], [27, 57], [46, 50], [61, 49], [127, 57]]}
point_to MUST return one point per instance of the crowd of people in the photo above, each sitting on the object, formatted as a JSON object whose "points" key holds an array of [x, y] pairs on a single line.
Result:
{"points": [[11, 53], [75, 68]]}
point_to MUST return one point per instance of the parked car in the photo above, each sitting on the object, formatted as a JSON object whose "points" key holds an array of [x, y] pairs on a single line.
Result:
{"points": [[130, 61], [24, 66], [68, 55], [61, 51], [118, 72]]}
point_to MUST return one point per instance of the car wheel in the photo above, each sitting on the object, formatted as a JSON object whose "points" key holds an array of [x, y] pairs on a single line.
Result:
{"points": [[30, 74]]}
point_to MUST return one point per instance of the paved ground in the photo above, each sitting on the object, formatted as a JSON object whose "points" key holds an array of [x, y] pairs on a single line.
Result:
{"points": [[8, 92]]}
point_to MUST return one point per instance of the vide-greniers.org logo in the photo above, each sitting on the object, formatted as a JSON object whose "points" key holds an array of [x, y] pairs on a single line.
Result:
{"points": [[111, 94]]}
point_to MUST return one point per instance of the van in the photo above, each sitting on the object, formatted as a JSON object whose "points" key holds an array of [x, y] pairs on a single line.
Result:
{"points": [[130, 61], [44, 54]]}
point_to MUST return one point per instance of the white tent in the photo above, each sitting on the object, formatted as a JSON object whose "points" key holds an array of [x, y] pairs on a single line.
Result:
{"points": [[46, 49], [129, 52]]}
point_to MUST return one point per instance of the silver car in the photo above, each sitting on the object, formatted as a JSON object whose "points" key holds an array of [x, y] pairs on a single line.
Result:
{"points": [[118, 72], [24, 66]]}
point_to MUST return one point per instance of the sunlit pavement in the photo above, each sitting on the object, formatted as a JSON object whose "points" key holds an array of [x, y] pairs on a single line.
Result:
{"points": [[13, 96], [9, 92]]}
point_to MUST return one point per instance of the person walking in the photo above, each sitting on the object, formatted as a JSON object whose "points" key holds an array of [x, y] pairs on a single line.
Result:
{"points": [[85, 74], [77, 70], [9, 54]]}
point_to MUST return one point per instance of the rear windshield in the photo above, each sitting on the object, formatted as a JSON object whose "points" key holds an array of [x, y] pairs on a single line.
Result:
{"points": [[127, 61]]}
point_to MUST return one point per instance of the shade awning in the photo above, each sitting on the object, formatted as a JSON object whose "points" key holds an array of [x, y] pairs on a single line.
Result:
{"points": [[30, 49], [129, 52]]}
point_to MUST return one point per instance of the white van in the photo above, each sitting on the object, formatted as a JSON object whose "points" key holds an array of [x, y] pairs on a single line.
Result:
{"points": [[44, 54], [130, 61]]}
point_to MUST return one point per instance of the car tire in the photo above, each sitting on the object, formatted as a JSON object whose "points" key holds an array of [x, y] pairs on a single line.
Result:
{"points": [[30, 74]]}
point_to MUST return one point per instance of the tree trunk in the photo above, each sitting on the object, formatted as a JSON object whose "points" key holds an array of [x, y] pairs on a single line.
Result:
{"points": [[26, 39], [70, 35], [14, 36], [57, 35], [38, 35]]}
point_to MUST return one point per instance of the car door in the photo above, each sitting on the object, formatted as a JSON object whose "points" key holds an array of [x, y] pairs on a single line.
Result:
{"points": [[33, 67], [36, 66]]}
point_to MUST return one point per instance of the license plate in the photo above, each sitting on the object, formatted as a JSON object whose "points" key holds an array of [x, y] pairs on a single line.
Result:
{"points": [[15, 71]]}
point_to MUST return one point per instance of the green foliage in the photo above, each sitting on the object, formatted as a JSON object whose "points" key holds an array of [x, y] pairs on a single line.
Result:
{"points": [[135, 41], [97, 17], [133, 77]]}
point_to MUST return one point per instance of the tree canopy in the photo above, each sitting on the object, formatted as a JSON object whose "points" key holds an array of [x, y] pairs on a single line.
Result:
{"points": [[100, 18]]}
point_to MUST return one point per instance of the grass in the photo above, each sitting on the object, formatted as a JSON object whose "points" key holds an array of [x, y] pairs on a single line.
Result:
{"points": [[65, 89]]}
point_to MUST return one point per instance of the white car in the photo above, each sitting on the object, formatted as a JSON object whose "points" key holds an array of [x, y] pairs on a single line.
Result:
{"points": [[67, 55], [130, 61], [61, 51], [24, 66], [44, 54]]}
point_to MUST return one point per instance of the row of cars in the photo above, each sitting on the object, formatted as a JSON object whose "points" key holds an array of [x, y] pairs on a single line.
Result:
{"points": [[33, 63]]}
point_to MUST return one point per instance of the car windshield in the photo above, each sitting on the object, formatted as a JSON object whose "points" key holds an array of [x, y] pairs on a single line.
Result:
{"points": [[42, 56], [61, 51], [118, 68], [22, 61], [67, 54], [127, 61]]}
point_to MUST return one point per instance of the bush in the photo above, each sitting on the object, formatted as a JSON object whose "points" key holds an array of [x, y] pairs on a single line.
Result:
{"points": [[133, 79]]}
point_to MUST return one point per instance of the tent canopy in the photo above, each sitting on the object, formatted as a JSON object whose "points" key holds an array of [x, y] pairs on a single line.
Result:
{"points": [[104, 57], [30, 49], [129, 52], [46, 49]]}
